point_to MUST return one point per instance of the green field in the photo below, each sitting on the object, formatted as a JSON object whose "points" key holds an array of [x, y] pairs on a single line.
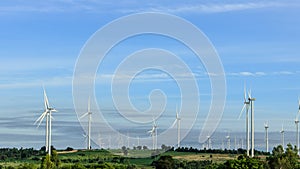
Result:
{"points": [[91, 157], [184, 158]]}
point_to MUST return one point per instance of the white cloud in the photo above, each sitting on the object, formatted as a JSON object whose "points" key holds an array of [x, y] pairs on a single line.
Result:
{"points": [[52, 81], [257, 74], [137, 6], [206, 7], [284, 73]]}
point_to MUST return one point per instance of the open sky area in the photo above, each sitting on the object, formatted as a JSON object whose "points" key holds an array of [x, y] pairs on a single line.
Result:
{"points": [[40, 41]]}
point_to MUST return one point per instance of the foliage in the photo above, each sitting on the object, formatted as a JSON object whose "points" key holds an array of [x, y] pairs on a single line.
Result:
{"points": [[69, 149], [164, 162], [18, 154], [245, 162], [284, 159], [217, 151], [54, 158], [47, 163]]}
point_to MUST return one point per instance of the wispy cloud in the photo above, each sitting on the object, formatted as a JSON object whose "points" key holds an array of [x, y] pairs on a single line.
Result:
{"points": [[51, 81], [137, 6], [209, 7], [258, 74]]}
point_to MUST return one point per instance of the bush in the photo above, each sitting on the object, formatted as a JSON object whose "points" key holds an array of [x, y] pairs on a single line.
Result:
{"points": [[69, 149]]}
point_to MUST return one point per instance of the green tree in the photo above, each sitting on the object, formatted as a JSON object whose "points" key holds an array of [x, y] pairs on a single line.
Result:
{"points": [[54, 158], [26, 166], [164, 162], [245, 162], [283, 159], [47, 163]]}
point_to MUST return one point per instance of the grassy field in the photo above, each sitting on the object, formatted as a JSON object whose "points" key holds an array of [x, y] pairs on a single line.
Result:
{"points": [[116, 157]]}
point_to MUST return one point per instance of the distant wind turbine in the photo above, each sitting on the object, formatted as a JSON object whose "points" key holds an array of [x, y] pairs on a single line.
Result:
{"points": [[297, 126], [209, 146], [228, 141], [177, 121], [153, 133], [246, 106], [267, 136], [47, 112], [251, 100], [282, 136], [89, 114]]}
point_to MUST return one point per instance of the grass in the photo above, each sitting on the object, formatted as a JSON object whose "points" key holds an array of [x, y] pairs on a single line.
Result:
{"points": [[115, 157]]}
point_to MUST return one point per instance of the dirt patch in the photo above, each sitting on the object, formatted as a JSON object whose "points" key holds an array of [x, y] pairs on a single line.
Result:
{"points": [[67, 152]]}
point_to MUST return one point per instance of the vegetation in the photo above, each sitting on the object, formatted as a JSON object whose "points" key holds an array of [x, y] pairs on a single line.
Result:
{"points": [[184, 158]]}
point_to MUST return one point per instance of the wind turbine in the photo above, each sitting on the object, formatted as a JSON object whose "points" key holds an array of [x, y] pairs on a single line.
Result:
{"points": [[246, 106], [267, 136], [88, 113], [235, 146], [153, 133], [47, 113], [177, 120], [209, 142], [282, 136], [228, 141], [297, 126], [251, 101], [223, 147]]}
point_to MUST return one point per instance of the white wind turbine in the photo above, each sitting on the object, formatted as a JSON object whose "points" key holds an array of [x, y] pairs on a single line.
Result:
{"points": [[153, 133], [282, 136], [177, 121], [267, 136], [48, 111], [246, 106], [89, 114], [209, 146], [228, 141], [297, 126], [251, 100]]}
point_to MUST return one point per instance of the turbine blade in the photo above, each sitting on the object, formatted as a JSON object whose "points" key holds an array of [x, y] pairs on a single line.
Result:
{"points": [[249, 94], [242, 111], [298, 106], [85, 114], [89, 105], [174, 123], [154, 123], [41, 117], [245, 93], [46, 102]]}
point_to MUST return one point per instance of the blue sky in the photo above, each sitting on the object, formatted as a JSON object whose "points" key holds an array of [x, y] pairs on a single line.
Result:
{"points": [[257, 41]]}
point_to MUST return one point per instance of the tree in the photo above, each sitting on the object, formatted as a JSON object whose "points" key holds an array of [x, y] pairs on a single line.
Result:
{"points": [[139, 147], [145, 148], [283, 159], [164, 162], [54, 158], [245, 162], [46, 163], [125, 151]]}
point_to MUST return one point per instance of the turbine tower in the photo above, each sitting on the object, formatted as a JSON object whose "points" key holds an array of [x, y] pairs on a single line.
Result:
{"points": [[228, 141], [251, 100], [297, 126], [246, 106], [267, 136], [153, 133], [177, 121], [48, 111], [209, 142], [282, 136], [297, 133], [89, 114]]}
